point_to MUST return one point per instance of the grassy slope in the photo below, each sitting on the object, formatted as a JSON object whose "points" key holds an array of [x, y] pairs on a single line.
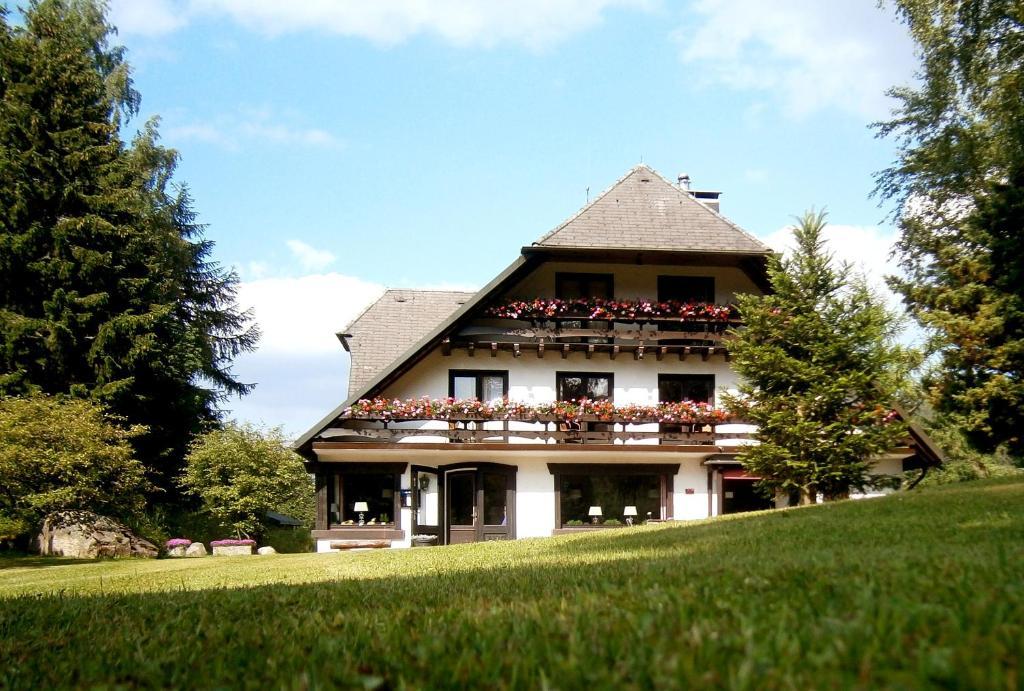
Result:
{"points": [[908, 591]]}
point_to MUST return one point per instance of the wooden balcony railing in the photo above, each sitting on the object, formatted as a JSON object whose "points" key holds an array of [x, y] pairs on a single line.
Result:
{"points": [[583, 422], [502, 432]]}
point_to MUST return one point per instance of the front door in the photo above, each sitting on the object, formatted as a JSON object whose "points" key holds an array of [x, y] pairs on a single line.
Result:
{"points": [[463, 516], [480, 503], [740, 495]]}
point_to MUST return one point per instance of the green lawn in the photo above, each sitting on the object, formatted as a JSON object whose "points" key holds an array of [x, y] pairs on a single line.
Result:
{"points": [[914, 590]]}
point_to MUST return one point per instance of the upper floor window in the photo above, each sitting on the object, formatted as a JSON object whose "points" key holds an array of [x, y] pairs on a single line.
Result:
{"points": [[686, 288], [484, 385], [673, 388], [573, 386], [570, 286]]}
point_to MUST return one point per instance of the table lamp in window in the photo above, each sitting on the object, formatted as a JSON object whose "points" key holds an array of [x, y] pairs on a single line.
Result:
{"points": [[629, 512], [361, 508], [595, 514]]}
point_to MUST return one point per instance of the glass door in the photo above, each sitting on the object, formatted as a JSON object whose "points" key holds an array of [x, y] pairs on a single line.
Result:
{"points": [[426, 502], [461, 499]]}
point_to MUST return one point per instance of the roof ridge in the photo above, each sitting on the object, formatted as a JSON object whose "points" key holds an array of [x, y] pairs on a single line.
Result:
{"points": [[429, 290], [711, 211], [540, 241]]}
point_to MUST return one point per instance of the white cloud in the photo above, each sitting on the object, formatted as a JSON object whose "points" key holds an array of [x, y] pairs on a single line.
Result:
{"points": [[806, 54], [867, 248], [310, 257], [300, 368], [147, 17], [251, 126], [299, 316], [533, 23], [199, 132]]}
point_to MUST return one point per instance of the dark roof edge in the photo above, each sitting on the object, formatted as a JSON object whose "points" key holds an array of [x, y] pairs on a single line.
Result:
{"points": [[567, 249], [415, 351]]}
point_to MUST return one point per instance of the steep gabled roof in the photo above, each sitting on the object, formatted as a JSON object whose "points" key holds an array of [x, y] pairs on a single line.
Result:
{"points": [[691, 228], [386, 329], [644, 211]]}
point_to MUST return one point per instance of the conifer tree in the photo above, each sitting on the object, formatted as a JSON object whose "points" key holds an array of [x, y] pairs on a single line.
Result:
{"points": [[107, 288], [958, 188], [820, 371]]}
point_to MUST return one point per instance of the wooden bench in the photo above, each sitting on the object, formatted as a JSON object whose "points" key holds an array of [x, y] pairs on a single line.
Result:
{"points": [[360, 544]]}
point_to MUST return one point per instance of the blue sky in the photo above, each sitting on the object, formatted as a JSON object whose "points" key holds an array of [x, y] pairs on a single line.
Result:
{"points": [[335, 148]]}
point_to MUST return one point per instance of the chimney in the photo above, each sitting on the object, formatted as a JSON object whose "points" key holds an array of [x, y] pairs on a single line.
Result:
{"points": [[684, 181], [708, 199]]}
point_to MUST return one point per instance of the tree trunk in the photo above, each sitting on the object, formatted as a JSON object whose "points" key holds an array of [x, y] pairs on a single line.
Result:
{"points": [[808, 495]]}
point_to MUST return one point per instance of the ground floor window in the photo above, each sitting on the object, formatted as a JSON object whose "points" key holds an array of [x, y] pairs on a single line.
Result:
{"points": [[609, 494], [362, 494]]}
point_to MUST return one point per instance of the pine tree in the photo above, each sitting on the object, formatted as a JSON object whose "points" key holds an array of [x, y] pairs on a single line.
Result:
{"points": [[107, 288], [958, 188], [820, 371]]}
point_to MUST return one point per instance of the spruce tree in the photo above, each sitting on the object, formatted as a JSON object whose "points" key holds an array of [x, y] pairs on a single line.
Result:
{"points": [[107, 287], [820, 371], [958, 188]]}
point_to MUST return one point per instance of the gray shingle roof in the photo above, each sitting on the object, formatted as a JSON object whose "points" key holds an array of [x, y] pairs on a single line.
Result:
{"points": [[391, 325], [645, 211]]}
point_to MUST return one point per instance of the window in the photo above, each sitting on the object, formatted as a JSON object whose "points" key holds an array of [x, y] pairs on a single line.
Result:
{"points": [[611, 487], [686, 288], [612, 493], [483, 385], [673, 388], [569, 286], [377, 487], [573, 386]]}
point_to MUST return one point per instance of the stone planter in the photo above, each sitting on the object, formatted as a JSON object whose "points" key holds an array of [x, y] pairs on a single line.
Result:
{"points": [[178, 551], [424, 540], [231, 550]]}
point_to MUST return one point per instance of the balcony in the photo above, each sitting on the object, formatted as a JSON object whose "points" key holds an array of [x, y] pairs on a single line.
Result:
{"points": [[639, 328], [469, 421]]}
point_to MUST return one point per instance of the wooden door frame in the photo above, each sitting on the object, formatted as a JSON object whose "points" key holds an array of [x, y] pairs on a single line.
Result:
{"points": [[510, 472], [417, 528]]}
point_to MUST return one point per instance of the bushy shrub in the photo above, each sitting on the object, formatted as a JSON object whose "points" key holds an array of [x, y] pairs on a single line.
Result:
{"points": [[241, 472], [65, 453]]}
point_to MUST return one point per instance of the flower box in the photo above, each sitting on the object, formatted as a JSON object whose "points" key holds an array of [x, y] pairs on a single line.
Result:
{"points": [[232, 548]]}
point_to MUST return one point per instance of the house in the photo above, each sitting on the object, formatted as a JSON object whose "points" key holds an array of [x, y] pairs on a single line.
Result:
{"points": [[578, 389]]}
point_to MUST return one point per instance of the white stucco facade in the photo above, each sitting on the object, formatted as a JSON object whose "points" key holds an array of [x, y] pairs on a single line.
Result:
{"points": [[643, 234]]}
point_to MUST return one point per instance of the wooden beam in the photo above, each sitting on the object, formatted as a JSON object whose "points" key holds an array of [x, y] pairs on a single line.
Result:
{"points": [[515, 350], [590, 351], [661, 353], [638, 354], [565, 351], [471, 347], [706, 354], [494, 349], [683, 352], [615, 352], [540, 349]]}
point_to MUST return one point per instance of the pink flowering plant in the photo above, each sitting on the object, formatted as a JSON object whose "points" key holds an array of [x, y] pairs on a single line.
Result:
{"points": [[612, 310], [452, 409], [233, 543], [177, 542]]}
